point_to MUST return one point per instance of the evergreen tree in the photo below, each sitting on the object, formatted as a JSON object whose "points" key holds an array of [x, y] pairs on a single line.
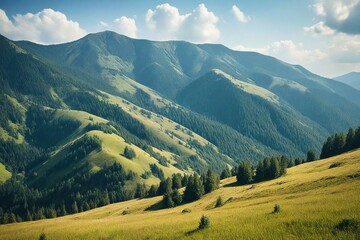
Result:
{"points": [[167, 201], [152, 191], [226, 173], [274, 169], [74, 207], [311, 156], [245, 174], [176, 197], [176, 181], [212, 181], [350, 140], [129, 152], [194, 189]]}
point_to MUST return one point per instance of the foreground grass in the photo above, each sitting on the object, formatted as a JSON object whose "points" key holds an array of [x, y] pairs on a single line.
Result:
{"points": [[312, 196]]}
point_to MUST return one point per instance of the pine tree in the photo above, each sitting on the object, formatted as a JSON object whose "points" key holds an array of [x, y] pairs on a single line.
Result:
{"points": [[74, 207], [225, 173], [167, 201], [176, 197], [194, 189], [176, 181], [129, 153], [245, 174], [311, 156], [212, 181]]}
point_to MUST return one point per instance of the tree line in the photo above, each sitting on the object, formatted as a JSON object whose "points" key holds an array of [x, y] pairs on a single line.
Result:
{"points": [[340, 143]]}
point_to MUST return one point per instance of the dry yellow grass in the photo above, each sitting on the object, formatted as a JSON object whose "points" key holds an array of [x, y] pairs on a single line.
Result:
{"points": [[312, 196]]}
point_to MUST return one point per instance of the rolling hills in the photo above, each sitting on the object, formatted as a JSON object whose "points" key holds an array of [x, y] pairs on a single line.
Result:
{"points": [[69, 111], [314, 197]]}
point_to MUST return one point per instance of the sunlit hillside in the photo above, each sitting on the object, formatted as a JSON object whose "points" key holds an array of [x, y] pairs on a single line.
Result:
{"points": [[313, 197]]}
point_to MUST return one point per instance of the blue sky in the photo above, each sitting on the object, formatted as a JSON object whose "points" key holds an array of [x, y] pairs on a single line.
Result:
{"points": [[321, 35]]}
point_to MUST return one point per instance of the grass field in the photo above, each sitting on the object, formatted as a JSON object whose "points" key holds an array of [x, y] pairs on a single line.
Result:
{"points": [[4, 174], [312, 196]]}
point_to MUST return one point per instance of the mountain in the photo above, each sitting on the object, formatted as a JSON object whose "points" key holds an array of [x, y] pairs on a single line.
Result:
{"points": [[169, 66], [352, 79], [104, 117], [252, 110]]}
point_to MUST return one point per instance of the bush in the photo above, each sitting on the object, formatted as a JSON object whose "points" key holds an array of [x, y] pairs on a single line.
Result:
{"points": [[276, 208], [42, 236], [348, 224], [204, 222], [186, 210], [219, 202], [335, 164], [129, 153]]}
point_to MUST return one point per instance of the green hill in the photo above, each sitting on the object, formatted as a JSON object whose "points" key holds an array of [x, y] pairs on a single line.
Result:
{"points": [[253, 111], [316, 187]]}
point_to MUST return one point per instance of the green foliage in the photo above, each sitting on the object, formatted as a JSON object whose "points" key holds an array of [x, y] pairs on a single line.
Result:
{"points": [[129, 153], [46, 131], [157, 172], [340, 143], [212, 181], [276, 208], [245, 173], [270, 168], [226, 173], [219, 202], [204, 222], [42, 236], [348, 224], [176, 181], [194, 189], [16, 157], [311, 155]]}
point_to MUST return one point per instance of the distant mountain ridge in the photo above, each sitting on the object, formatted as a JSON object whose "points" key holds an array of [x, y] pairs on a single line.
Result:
{"points": [[352, 79]]}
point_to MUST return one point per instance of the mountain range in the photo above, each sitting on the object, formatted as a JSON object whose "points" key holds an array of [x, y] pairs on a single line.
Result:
{"points": [[181, 107], [352, 79]]}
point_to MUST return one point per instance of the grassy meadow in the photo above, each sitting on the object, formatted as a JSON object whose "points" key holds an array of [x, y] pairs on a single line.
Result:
{"points": [[313, 197]]}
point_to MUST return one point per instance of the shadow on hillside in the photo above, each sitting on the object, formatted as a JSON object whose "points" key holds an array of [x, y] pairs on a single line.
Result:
{"points": [[234, 184], [155, 206], [191, 232]]}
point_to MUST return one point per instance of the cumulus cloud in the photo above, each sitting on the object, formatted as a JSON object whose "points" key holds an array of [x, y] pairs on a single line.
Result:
{"points": [[198, 26], [319, 29], [288, 51], [239, 15], [340, 15], [46, 27], [122, 25]]}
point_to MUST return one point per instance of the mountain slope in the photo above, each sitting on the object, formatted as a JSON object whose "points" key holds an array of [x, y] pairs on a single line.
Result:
{"points": [[305, 189], [251, 110], [352, 79], [169, 66]]}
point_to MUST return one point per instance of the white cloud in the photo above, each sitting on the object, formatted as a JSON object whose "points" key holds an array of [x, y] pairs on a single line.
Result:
{"points": [[126, 26], [340, 15], [319, 29], [240, 16], [288, 51], [122, 25], [198, 26], [47, 26]]}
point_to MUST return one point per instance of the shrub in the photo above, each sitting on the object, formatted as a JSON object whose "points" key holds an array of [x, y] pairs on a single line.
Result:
{"points": [[335, 164], [276, 208], [219, 202], [186, 210], [348, 224], [204, 222], [129, 153], [42, 236]]}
